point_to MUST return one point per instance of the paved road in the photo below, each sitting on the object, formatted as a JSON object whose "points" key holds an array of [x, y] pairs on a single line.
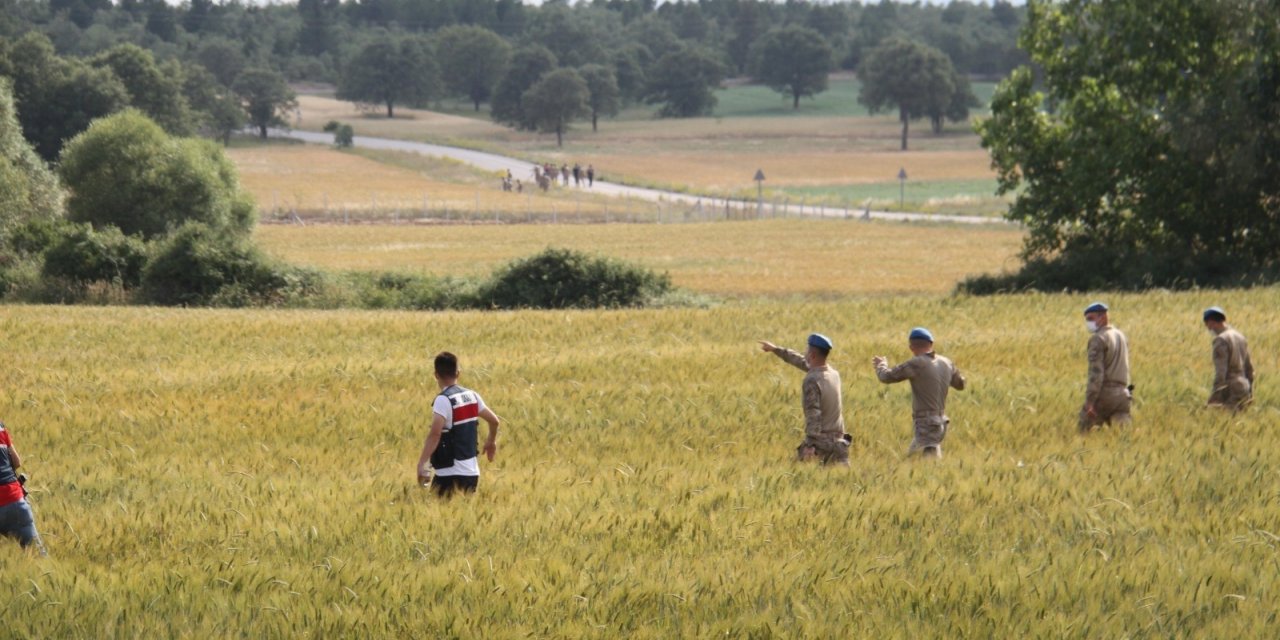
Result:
{"points": [[524, 170]]}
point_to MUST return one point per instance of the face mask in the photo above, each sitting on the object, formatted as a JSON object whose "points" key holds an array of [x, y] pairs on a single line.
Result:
{"points": [[1091, 326]]}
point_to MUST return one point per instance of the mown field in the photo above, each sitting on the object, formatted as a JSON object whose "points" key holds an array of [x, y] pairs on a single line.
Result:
{"points": [[829, 151], [218, 473], [362, 185], [769, 258]]}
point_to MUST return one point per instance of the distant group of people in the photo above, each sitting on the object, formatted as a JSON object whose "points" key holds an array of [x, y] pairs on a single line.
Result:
{"points": [[1108, 394], [508, 184], [547, 174]]}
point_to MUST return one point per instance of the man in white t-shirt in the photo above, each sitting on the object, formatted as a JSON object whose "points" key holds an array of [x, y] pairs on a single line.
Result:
{"points": [[450, 448]]}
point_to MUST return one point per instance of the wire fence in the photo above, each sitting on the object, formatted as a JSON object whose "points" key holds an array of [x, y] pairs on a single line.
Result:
{"points": [[535, 209]]}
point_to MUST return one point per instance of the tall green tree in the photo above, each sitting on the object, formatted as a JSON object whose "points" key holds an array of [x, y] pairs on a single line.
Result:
{"points": [[472, 59], [793, 61], [603, 85], [266, 98], [683, 82], [528, 64], [386, 72], [628, 64], [28, 189], [576, 37], [1151, 143], [957, 106], [216, 108], [223, 58], [57, 97], [126, 172], [318, 34], [151, 90], [913, 78], [749, 22], [556, 100]]}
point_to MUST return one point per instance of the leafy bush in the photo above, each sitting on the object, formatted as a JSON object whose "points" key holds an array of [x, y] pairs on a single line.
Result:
{"points": [[562, 278], [83, 256], [37, 235], [125, 171], [17, 276], [343, 134], [28, 189], [392, 290], [201, 265]]}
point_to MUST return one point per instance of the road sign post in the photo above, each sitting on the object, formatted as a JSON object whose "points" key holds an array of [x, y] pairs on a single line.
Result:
{"points": [[902, 188], [759, 191]]}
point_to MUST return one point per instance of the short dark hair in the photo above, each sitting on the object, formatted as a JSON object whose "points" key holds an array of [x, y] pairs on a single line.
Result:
{"points": [[821, 351], [446, 365]]}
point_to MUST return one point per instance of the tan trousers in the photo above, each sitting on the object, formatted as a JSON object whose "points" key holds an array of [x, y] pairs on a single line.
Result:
{"points": [[928, 432], [1236, 396], [1112, 406]]}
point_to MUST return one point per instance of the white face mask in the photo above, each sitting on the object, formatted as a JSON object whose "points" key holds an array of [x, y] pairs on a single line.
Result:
{"points": [[1091, 326]]}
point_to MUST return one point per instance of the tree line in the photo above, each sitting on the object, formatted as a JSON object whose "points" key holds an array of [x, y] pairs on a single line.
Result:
{"points": [[1143, 146], [608, 53]]}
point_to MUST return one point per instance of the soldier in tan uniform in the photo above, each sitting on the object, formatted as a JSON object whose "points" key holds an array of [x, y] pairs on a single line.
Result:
{"points": [[931, 377], [1109, 394], [1232, 369], [824, 434]]}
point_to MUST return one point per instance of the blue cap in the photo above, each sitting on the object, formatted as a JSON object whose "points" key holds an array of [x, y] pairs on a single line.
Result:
{"points": [[1215, 313], [1096, 307], [820, 341], [920, 333]]}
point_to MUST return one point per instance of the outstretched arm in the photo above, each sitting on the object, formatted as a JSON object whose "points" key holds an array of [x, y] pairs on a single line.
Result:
{"points": [[889, 376], [788, 356]]}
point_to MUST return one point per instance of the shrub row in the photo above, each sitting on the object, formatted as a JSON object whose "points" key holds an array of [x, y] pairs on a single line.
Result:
{"points": [[198, 265]]}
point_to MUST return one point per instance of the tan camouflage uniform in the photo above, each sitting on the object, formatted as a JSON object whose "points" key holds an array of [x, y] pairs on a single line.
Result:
{"points": [[1108, 389], [823, 410], [931, 377], [1233, 371]]}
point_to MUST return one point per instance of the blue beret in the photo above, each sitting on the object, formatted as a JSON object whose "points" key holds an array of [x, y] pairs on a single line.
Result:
{"points": [[920, 333], [1215, 313], [820, 341], [1096, 307]]}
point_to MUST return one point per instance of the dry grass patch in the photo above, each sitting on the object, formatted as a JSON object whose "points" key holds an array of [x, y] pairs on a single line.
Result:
{"points": [[409, 124], [763, 258], [315, 180], [719, 155]]}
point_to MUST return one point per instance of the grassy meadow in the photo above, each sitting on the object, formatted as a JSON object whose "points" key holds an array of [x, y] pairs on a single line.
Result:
{"points": [[218, 473], [829, 151]]}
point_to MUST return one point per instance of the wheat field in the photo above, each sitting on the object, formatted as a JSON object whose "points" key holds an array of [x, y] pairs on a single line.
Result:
{"points": [[220, 473], [774, 258]]}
